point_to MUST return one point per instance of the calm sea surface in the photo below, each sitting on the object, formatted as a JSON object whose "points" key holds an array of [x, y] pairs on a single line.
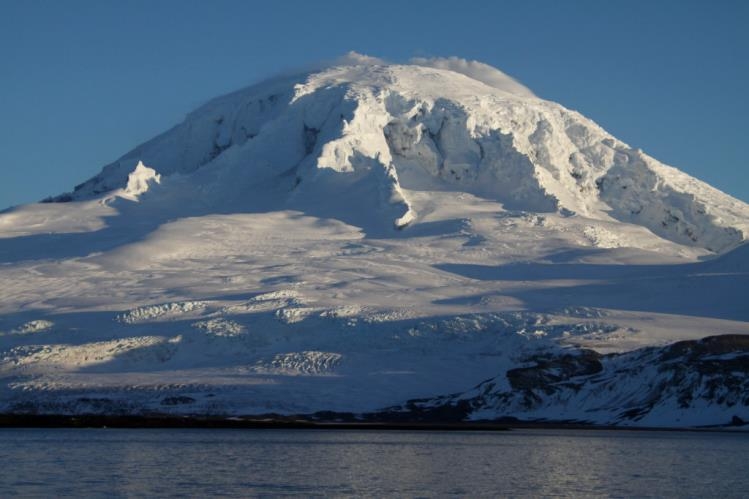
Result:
{"points": [[269, 463]]}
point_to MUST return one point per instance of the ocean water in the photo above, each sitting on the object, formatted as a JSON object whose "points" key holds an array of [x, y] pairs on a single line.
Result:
{"points": [[359, 463]]}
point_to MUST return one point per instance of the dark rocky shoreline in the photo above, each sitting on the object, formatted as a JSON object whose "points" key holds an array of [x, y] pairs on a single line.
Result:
{"points": [[159, 421], [276, 422]]}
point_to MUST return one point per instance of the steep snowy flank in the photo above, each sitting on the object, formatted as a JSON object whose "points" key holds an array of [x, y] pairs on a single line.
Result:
{"points": [[362, 132]]}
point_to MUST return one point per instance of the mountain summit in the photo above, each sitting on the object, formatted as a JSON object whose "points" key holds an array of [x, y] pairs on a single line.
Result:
{"points": [[413, 242], [354, 139]]}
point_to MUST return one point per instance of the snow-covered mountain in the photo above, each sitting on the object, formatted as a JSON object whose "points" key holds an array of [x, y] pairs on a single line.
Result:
{"points": [[367, 234]]}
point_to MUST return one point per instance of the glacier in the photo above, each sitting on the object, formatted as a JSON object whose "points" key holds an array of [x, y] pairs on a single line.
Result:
{"points": [[393, 240]]}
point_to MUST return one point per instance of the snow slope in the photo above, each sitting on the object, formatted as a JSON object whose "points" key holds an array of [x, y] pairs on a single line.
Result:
{"points": [[386, 128], [357, 236]]}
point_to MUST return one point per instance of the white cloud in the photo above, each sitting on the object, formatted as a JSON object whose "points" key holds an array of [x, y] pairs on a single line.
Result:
{"points": [[478, 71], [473, 69], [353, 57]]}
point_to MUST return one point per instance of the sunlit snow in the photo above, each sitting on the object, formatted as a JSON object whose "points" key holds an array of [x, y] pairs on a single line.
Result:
{"points": [[357, 236]]}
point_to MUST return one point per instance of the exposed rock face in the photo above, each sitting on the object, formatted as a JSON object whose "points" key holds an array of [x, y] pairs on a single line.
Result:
{"points": [[640, 387]]}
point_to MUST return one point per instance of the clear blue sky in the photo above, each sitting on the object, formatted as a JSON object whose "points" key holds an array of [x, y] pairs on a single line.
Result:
{"points": [[82, 82]]}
